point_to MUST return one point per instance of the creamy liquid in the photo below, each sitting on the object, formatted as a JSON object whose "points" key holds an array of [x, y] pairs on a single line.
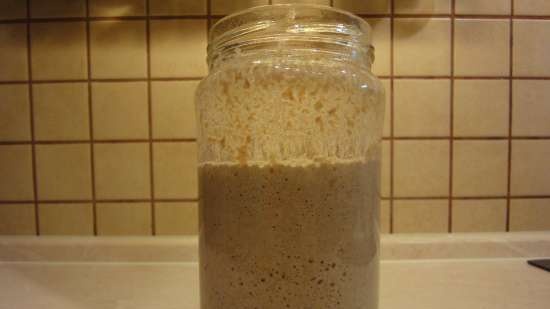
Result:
{"points": [[289, 236]]}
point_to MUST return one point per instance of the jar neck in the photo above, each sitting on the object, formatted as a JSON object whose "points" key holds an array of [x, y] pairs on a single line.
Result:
{"points": [[291, 49], [293, 31]]}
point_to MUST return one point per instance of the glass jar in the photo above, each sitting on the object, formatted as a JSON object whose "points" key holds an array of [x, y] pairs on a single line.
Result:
{"points": [[289, 134]]}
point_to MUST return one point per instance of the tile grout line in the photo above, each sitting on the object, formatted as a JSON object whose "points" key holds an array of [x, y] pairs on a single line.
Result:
{"points": [[459, 16], [101, 141], [208, 27], [391, 115], [150, 119], [174, 200], [87, 201], [190, 140], [101, 80], [91, 118], [198, 78], [208, 17], [31, 118], [510, 116], [451, 120], [199, 16]]}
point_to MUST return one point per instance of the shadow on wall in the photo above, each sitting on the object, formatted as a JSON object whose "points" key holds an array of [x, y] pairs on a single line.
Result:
{"points": [[414, 7], [356, 6], [383, 7]]}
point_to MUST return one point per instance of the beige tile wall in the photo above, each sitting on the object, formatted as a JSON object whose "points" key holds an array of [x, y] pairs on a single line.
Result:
{"points": [[97, 129]]}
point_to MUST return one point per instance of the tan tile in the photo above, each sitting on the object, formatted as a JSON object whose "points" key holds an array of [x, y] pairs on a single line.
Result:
{"points": [[386, 132], [530, 168], [17, 219], [120, 110], [59, 50], [63, 172], [381, 42], [481, 107], [364, 7], [16, 172], [122, 170], [532, 7], [118, 49], [385, 170], [482, 47], [13, 9], [420, 216], [485, 7], [531, 111], [531, 47], [66, 219], [422, 46], [61, 111], [117, 7], [222, 7], [15, 122], [384, 216], [57, 8], [13, 54], [321, 2], [175, 170], [178, 48], [421, 168], [178, 7], [479, 215], [422, 7], [174, 109], [176, 218], [530, 214], [124, 219], [480, 168], [422, 107]]}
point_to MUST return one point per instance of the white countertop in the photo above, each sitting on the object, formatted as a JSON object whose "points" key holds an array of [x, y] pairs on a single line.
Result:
{"points": [[96, 273]]}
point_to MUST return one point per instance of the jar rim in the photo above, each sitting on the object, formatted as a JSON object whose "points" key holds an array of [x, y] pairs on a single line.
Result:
{"points": [[293, 11]]}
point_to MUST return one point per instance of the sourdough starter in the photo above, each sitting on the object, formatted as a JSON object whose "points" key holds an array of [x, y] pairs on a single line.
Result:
{"points": [[289, 235]]}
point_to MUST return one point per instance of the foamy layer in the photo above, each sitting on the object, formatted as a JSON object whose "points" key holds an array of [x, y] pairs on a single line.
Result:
{"points": [[283, 110]]}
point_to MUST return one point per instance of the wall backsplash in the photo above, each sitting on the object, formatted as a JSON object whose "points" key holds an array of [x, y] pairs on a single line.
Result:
{"points": [[97, 132]]}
